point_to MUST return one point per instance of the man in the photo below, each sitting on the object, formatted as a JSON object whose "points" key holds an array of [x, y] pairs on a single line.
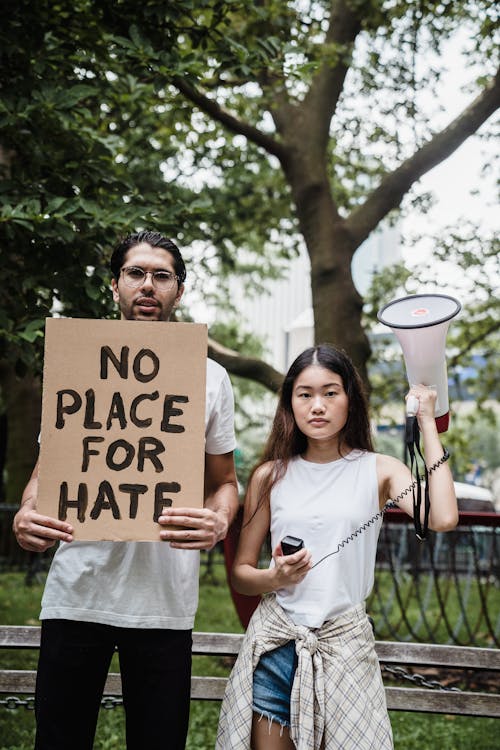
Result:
{"points": [[138, 597]]}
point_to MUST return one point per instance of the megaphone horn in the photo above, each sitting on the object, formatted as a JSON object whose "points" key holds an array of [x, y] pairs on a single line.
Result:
{"points": [[420, 323]]}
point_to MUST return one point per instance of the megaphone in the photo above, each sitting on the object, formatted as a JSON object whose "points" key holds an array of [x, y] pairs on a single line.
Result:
{"points": [[420, 323]]}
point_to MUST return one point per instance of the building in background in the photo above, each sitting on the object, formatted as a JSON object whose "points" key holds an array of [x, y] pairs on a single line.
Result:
{"points": [[282, 315]]}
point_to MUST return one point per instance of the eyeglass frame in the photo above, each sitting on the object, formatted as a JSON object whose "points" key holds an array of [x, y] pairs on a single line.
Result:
{"points": [[174, 277]]}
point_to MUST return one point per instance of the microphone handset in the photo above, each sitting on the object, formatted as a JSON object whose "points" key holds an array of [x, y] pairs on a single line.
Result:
{"points": [[291, 544]]}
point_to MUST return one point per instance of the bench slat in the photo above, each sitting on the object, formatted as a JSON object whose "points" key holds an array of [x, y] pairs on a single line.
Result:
{"points": [[228, 644], [438, 656], [23, 681], [19, 636], [17, 681], [443, 702], [212, 689], [221, 644], [208, 688], [28, 636]]}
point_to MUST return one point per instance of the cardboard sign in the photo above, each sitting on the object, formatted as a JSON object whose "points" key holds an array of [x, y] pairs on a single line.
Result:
{"points": [[123, 424]]}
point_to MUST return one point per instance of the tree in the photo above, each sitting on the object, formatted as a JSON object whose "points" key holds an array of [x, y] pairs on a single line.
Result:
{"points": [[323, 98], [243, 128], [78, 166], [309, 116]]}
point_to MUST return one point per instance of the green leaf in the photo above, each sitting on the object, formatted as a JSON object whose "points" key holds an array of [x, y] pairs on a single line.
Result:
{"points": [[32, 331], [67, 99]]}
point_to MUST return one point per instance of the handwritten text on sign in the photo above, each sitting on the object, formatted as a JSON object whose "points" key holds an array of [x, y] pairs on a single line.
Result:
{"points": [[122, 424]]}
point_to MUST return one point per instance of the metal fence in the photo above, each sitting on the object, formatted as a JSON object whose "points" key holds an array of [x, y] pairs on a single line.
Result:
{"points": [[444, 590]]}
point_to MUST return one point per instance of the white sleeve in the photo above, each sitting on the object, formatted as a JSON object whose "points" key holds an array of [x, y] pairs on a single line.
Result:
{"points": [[219, 434]]}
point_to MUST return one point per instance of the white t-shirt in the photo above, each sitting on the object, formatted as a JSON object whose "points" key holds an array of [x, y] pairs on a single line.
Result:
{"points": [[323, 504], [139, 584]]}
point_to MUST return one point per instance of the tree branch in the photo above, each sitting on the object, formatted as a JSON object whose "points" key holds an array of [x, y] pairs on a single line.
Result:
{"points": [[326, 86], [395, 185], [471, 343], [213, 109], [245, 367]]}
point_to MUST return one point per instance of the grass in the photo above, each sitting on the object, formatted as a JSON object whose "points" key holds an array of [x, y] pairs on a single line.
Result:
{"points": [[19, 605]]}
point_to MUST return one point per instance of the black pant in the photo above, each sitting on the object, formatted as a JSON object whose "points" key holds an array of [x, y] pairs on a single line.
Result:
{"points": [[74, 660]]}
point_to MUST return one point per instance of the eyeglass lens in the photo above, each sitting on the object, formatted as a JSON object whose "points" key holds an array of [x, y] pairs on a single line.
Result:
{"points": [[134, 277]]}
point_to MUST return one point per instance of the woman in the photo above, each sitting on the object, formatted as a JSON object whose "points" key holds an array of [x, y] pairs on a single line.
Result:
{"points": [[307, 676]]}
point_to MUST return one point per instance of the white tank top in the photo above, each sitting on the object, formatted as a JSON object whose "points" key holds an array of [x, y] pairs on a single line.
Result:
{"points": [[323, 504]]}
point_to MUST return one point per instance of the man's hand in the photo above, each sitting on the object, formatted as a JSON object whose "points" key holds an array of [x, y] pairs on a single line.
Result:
{"points": [[33, 531], [195, 528], [202, 528], [37, 533]]}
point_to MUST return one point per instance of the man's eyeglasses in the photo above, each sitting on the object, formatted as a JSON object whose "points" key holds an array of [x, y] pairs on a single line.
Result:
{"points": [[135, 277]]}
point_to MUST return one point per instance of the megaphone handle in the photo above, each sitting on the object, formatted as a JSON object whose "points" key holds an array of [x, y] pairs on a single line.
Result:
{"points": [[412, 404]]}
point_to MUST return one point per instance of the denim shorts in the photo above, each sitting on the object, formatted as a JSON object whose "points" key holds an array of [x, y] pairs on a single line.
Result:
{"points": [[272, 683]]}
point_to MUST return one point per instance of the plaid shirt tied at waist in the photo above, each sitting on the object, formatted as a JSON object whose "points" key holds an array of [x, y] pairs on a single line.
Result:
{"points": [[337, 691]]}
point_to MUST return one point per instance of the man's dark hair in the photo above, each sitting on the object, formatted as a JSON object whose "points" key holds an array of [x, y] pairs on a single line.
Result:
{"points": [[155, 239]]}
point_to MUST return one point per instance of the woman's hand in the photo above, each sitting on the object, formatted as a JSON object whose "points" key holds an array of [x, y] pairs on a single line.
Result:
{"points": [[290, 569], [421, 402]]}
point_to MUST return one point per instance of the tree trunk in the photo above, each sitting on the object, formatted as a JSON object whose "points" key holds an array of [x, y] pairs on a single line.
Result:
{"points": [[336, 303]]}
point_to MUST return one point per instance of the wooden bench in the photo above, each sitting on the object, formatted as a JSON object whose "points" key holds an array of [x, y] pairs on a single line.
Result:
{"points": [[391, 654]]}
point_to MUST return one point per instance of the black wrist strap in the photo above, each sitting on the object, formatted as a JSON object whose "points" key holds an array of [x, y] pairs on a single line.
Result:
{"points": [[412, 439]]}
